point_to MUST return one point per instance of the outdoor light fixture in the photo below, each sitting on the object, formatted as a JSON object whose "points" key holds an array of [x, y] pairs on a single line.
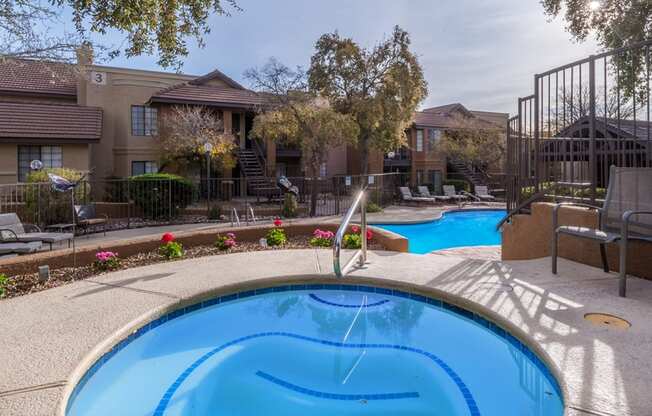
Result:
{"points": [[595, 5]]}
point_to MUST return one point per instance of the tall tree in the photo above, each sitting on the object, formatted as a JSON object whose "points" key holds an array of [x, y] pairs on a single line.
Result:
{"points": [[615, 23], [473, 141], [379, 87], [156, 26], [185, 130], [295, 116]]}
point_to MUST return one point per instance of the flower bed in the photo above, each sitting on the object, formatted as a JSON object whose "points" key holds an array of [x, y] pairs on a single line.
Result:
{"points": [[29, 283]]}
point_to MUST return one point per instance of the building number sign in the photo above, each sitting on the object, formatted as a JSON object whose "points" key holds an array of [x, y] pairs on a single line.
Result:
{"points": [[98, 78]]}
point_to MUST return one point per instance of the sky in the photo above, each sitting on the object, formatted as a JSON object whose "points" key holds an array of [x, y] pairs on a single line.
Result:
{"points": [[481, 53]]}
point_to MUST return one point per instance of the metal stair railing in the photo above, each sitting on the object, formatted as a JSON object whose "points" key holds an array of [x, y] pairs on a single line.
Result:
{"points": [[360, 255]]}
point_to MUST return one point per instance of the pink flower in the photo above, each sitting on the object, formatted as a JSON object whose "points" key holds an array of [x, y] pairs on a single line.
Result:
{"points": [[355, 229], [230, 243], [230, 236], [167, 238], [278, 222], [370, 235], [104, 256]]}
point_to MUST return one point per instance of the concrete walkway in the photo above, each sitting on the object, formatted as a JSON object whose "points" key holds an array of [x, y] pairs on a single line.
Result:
{"points": [[48, 338]]}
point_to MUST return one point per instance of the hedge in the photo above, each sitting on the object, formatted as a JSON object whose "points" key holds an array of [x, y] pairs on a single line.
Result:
{"points": [[161, 195]]}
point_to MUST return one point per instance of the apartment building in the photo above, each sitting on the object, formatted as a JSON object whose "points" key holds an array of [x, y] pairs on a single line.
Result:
{"points": [[105, 120]]}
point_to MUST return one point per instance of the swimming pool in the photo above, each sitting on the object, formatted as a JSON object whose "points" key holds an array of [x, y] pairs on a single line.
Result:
{"points": [[453, 229], [319, 350]]}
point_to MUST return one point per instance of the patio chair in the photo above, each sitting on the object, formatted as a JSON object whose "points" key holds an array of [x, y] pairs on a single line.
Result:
{"points": [[482, 192], [626, 215], [406, 195], [449, 191], [424, 192], [12, 230], [87, 218]]}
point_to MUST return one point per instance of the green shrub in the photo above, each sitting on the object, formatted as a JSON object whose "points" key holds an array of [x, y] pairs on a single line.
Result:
{"points": [[171, 250], [225, 242], [106, 260], [3, 284], [44, 205], [459, 184], [372, 207], [290, 206], [322, 238], [276, 237], [567, 191], [160, 195], [215, 213], [352, 241]]}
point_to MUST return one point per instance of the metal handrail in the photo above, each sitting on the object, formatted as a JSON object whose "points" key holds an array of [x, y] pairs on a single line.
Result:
{"points": [[360, 255], [235, 220]]}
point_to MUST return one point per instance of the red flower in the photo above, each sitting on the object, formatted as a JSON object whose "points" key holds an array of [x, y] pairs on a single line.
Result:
{"points": [[370, 235], [278, 222], [167, 238], [355, 229]]}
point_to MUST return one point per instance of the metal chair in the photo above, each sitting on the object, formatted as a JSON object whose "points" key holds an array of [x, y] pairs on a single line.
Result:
{"points": [[626, 215]]}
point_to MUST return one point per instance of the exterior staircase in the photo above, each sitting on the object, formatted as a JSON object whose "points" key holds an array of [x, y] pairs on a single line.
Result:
{"points": [[462, 169], [253, 170]]}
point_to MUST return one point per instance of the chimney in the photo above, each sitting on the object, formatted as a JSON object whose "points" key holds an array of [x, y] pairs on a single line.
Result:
{"points": [[85, 54]]}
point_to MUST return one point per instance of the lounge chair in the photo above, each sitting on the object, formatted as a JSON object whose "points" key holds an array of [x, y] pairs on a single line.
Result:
{"points": [[406, 195], [626, 215], [9, 249], [424, 192], [482, 192], [449, 191], [87, 218], [13, 231]]}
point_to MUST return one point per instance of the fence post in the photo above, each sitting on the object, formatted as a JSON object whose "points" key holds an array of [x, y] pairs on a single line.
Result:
{"points": [[128, 203], [537, 133], [169, 200], [592, 145]]}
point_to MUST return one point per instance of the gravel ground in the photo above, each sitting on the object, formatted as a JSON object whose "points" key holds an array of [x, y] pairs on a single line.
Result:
{"points": [[29, 283]]}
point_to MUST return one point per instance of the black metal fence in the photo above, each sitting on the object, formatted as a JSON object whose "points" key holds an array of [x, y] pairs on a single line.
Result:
{"points": [[133, 203], [582, 118]]}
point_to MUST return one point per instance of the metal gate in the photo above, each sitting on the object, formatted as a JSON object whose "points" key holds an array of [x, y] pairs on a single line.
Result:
{"points": [[583, 117]]}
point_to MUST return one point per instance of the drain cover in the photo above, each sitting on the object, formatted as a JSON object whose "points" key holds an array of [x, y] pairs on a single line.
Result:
{"points": [[606, 320]]}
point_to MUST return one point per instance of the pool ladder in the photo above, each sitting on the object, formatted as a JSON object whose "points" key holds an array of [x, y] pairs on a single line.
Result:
{"points": [[360, 255]]}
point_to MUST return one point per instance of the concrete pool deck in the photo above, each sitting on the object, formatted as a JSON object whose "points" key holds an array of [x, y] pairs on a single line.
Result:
{"points": [[47, 337]]}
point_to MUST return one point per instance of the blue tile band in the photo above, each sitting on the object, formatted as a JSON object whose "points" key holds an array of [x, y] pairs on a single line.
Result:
{"points": [[342, 305], [479, 319], [334, 396], [169, 393]]}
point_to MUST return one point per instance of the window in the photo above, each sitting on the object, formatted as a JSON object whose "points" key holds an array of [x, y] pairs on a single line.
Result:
{"points": [[322, 170], [142, 167], [419, 140], [419, 177], [144, 121], [51, 156], [433, 138]]}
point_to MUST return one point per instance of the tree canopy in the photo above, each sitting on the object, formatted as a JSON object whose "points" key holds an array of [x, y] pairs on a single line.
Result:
{"points": [[379, 87], [151, 26], [294, 115], [473, 142], [185, 130]]}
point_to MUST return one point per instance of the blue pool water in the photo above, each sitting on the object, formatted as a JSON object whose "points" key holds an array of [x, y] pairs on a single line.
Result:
{"points": [[454, 229], [319, 350]]}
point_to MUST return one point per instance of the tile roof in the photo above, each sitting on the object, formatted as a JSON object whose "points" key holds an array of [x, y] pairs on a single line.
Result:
{"points": [[208, 95], [70, 123], [452, 116], [37, 77]]}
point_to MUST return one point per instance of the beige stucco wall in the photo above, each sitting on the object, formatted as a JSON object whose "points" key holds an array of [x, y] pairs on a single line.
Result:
{"points": [[113, 155], [75, 156], [530, 236]]}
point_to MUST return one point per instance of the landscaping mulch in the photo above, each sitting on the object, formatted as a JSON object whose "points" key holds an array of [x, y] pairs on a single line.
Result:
{"points": [[29, 283]]}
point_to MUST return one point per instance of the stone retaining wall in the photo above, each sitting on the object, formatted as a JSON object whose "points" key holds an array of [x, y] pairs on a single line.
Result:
{"points": [[128, 247]]}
